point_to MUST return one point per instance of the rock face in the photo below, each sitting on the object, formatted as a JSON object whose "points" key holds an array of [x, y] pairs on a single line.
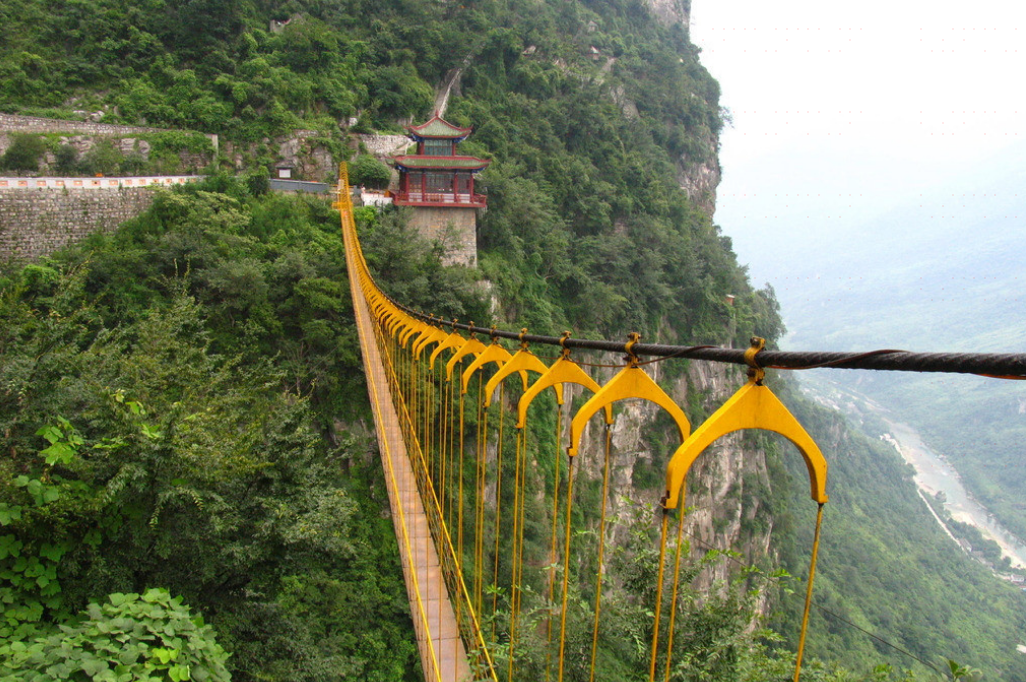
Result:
{"points": [[383, 147], [306, 152], [309, 159], [700, 177], [671, 11]]}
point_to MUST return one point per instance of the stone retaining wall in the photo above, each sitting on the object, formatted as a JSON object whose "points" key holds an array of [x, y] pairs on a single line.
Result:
{"points": [[454, 228], [37, 222], [35, 124]]}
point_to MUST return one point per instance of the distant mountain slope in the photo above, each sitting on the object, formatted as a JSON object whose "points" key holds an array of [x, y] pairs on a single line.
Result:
{"points": [[945, 272]]}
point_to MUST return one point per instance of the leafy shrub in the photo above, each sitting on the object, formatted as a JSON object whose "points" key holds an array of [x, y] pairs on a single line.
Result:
{"points": [[104, 158], [132, 637], [65, 159], [368, 171], [258, 181], [24, 154]]}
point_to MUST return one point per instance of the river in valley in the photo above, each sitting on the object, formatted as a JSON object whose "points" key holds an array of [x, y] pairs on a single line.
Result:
{"points": [[933, 473]]}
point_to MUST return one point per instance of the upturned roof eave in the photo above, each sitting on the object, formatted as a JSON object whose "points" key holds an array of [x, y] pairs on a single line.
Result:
{"points": [[456, 132], [425, 161]]}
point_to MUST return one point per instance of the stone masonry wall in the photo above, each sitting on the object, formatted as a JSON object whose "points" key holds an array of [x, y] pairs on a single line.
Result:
{"points": [[34, 124], [37, 222], [454, 228]]}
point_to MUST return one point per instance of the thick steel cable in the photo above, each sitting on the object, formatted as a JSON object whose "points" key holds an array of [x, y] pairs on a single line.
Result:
{"points": [[994, 365]]}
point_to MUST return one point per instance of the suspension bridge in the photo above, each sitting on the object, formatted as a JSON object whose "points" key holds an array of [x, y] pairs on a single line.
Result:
{"points": [[452, 419]]}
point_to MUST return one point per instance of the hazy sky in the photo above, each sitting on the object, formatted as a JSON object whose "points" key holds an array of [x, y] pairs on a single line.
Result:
{"points": [[841, 110]]}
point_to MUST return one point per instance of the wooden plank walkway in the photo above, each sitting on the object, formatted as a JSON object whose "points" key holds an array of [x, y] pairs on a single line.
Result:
{"points": [[442, 653]]}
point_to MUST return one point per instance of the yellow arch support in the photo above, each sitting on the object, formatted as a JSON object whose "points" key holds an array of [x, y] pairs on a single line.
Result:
{"points": [[631, 382], [397, 320], [437, 335], [522, 361], [563, 371], [400, 320], [412, 327], [493, 353], [453, 340], [425, 333], [378, 305], [753, 407], [472, 345]]}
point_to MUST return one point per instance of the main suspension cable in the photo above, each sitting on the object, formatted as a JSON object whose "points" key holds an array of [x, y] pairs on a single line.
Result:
{"points": [[994, 365]]}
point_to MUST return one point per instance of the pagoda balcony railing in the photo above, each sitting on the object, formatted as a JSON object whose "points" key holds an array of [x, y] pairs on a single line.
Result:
{"points": [[439, 199]]}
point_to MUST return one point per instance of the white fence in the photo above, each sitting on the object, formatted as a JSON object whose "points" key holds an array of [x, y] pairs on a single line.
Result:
{"points": [[97, 183]]}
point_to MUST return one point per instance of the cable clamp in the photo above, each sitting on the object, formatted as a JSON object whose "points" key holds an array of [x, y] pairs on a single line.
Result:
{"points": [[523, 333], [494, 334], [565, 352], [632, 340], [755, 371]]}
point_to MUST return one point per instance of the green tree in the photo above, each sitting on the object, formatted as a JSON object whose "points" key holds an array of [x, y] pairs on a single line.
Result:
{"points": [[102, 159], [367, 170], [25, 152]]}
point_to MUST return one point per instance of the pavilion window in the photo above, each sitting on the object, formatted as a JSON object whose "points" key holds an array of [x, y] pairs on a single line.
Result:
{"points": [[415, 180], [439, 182]]}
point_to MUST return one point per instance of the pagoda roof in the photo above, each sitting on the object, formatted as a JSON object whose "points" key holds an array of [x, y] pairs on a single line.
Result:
{"points": [[457, 162], [438, 128]]}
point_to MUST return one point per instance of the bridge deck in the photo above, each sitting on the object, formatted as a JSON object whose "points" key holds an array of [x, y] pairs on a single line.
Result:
{"points": [[442, 653]]}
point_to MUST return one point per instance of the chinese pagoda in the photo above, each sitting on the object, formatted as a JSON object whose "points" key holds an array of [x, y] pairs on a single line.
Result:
{"points": [[438, 184], [436, 175]]}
